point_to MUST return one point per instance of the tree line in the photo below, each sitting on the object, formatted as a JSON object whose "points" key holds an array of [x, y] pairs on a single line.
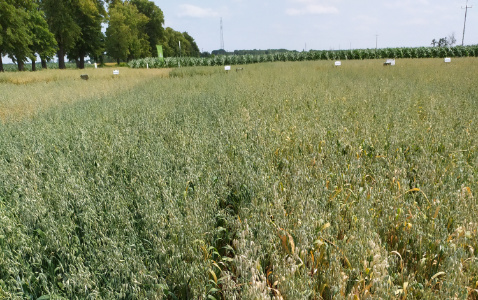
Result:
{"points": [[73, 28]]}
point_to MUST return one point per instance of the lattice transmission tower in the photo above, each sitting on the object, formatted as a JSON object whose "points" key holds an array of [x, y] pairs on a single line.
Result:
{"points": [[222, 37]]}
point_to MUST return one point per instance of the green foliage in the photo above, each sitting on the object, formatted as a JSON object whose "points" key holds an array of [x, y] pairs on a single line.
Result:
{"points": [[294, 180], [89, 15], [15, 29], [154, 27], [25, 32], [171, 41], [43, 41], [73, 28], [61, 21], [192, 49], [125, 37], [422, 52]]}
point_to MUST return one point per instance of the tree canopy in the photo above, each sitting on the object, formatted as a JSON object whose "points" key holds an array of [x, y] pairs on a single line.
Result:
{"points": [[89, 15], [125, 37], [171, 42], [444, 42], [60, 18], [74, 28], [14, 28], [154, 27], [43, 41]]}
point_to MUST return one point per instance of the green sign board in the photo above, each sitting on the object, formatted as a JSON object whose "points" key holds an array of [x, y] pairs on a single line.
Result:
{"points": [[160, 51]]}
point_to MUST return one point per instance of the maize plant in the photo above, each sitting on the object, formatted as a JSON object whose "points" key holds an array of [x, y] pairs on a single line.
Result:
{"points": [[312, 55]]}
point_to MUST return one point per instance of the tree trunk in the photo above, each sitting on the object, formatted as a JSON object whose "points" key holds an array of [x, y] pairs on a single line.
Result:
{"points": [[1, 63], [21, 65], [118, 60], [61, 57], [82, 62], [34, 67], [43, 63]]}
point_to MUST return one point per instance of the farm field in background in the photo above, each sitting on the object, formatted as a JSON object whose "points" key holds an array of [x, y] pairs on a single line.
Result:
{"points": [[25, 94], [293, 180], [313, 55]]}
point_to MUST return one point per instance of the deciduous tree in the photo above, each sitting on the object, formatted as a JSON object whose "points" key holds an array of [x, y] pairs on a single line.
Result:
{"points": [[43, 41], [61, 21], [125, 36], [154, 27], [171, 44], [194, 49], [15, 38], [449, 41], [89, 15]]}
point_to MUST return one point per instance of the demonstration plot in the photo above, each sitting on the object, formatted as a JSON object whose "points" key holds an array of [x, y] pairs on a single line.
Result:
{"points": [[286, 180]]}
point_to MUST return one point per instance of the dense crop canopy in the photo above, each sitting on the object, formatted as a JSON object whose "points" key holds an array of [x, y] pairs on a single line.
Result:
{"points": [[423, 52], [285, 180]]}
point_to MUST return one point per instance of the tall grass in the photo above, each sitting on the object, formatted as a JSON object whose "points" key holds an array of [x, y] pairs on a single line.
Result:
{"points": [[293, 180], [26, 94]]}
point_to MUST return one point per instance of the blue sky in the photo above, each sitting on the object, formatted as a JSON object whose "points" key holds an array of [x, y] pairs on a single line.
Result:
{"points": [[321, 24]]}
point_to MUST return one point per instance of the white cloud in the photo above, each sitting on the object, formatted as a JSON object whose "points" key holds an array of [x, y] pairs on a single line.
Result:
{"points": [[311, 7], [188, 10]]}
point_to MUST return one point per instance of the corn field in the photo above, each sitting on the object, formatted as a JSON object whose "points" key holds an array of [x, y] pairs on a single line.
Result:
{"points": [[357, 54]]}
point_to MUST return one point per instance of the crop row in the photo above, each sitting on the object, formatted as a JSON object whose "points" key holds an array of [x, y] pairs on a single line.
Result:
{"points": [[421, 52]]}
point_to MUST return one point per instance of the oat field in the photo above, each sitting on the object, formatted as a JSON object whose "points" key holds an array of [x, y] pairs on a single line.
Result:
{"points": [[286, 180]]}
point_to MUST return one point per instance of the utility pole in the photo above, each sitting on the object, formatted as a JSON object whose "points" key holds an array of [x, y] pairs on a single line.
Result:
{"points": [[464, 24], [376, 45], [222, 37]]}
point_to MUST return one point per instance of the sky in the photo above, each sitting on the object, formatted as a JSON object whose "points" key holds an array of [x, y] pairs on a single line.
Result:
{"points": [[320, 24]]}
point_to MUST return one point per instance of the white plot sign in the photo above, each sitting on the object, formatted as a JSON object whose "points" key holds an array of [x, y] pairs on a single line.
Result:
{"points": [[447, 59], [115, 72], [227, 68], [390, 62], [338, 63]]}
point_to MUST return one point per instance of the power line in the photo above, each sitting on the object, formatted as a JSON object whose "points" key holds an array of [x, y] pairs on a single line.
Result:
{"points": [[464, 24]]}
